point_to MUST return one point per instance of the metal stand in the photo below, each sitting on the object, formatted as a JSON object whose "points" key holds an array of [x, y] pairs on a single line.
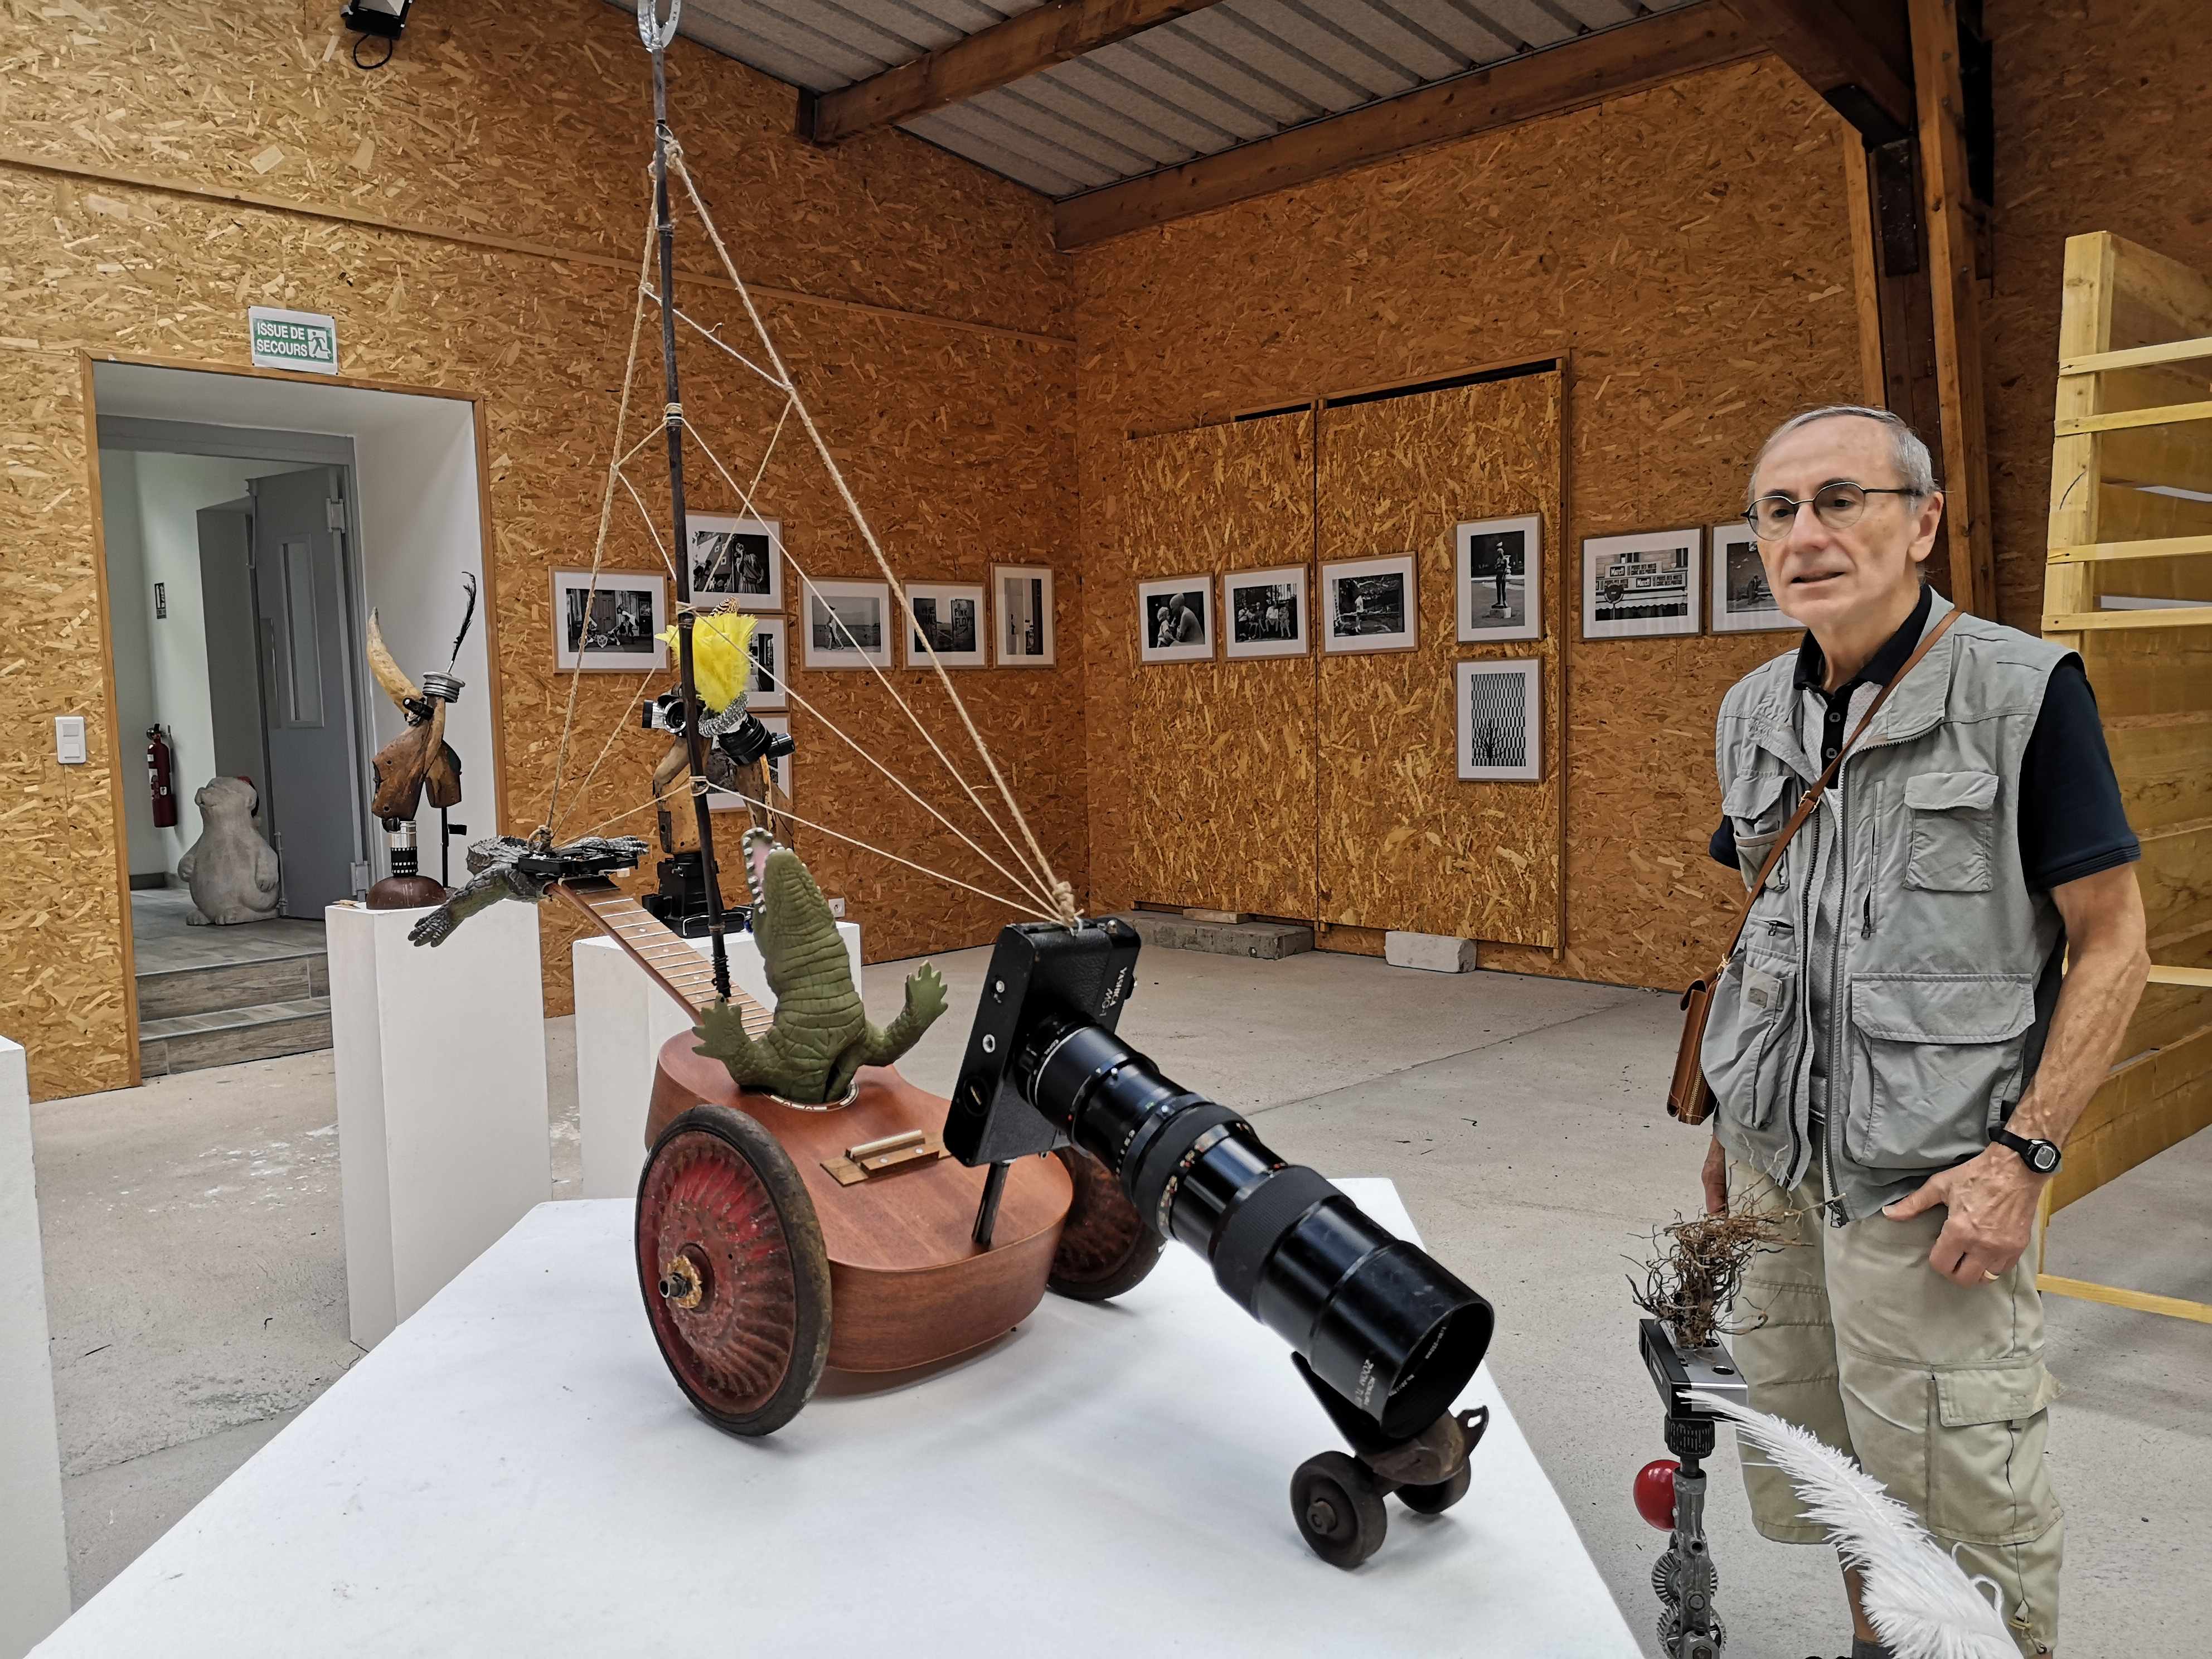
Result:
{"points": [[1684, 1577], [1337, 1500]]}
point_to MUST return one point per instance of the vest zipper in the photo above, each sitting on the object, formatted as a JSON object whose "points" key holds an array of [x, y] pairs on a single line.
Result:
{"points": [[1832, 1130]]}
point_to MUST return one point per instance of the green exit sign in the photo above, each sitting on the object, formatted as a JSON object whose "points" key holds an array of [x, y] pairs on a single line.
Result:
{"points": [[292, 339]]}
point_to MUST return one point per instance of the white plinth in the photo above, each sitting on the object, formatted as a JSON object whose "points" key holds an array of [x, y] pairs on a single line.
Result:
{"points": [[442, 1134], [622, 1019], [513, 1472], [34, 1586]]}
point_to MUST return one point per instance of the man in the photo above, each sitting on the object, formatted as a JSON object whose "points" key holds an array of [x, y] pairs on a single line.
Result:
{"points": [[1930, 988]]}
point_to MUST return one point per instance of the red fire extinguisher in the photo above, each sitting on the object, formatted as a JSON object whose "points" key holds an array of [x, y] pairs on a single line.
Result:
{"points": [[160, 767]]}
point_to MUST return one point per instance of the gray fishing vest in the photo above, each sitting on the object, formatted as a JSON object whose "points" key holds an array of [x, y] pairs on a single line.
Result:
{"points": [[1945, 966]]}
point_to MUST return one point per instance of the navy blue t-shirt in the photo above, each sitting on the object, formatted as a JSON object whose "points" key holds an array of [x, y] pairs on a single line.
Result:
{"points": [[2070, 820]]}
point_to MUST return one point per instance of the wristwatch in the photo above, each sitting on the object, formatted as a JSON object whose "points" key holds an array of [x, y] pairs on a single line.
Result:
{"points": [[2040, 1156]]}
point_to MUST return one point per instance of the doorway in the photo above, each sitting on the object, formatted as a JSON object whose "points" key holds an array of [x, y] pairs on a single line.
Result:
{"points": [[237, 570], [251, 525]]}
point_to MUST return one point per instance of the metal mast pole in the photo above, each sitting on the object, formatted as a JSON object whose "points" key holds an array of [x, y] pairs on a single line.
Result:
{"points": [[694, 751]]}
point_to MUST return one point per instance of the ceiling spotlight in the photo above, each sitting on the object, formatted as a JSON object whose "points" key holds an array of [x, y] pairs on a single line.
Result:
{"points": [[382, 18]]}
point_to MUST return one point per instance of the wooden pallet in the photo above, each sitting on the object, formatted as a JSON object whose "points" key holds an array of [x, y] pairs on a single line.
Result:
{"points": [[2133, 425]]}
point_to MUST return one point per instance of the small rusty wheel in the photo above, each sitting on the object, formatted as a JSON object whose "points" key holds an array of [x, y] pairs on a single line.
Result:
{"points": [[735, 1278], [1339, 1512], [1436, 1498], [1105, 1246]]}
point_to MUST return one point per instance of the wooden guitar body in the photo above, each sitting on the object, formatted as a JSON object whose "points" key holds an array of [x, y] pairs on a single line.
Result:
{"points": [[908, 1283]]}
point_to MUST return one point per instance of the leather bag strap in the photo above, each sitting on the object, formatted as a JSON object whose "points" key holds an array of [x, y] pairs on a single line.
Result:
{"points": [[1813, 795]]}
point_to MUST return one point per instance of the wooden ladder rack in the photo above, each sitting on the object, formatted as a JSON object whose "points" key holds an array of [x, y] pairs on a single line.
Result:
{"points": [[2131, 512]]}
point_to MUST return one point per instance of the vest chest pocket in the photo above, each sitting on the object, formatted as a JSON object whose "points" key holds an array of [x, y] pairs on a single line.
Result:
{"points": [[1755, 807], [1952, 820]]}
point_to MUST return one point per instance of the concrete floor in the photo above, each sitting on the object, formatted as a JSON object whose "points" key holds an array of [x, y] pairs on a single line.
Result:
{"points": [[195, 1277]]}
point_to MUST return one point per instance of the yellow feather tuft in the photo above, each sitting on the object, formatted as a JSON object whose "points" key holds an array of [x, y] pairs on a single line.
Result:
{"points": [[721, 657]]}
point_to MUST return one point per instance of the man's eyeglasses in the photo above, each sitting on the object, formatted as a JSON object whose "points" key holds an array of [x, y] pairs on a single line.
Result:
{"points": [[1839, 505]]}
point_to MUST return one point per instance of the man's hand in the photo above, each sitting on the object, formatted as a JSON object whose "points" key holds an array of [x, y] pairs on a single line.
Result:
{"points": [[1716, 1178], [1992, 1199]]}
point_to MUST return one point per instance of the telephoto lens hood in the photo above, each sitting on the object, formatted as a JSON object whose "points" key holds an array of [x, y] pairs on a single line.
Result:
{"points": [[1377, 1319]]}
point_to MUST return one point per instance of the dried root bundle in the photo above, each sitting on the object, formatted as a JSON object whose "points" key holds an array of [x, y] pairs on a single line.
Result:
{"points": [[1697, 1266]]}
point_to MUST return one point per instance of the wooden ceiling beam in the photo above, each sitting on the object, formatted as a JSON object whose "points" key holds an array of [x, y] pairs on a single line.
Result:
{"points": [[1858, 59], [1630, 57], [1053, 34]]}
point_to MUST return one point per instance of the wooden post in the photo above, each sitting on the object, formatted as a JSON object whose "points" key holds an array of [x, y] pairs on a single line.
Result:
{"points": [[1957, 303], [1866, 273]]}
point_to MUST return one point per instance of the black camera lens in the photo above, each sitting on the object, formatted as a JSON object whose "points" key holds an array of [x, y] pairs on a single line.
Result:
{"points": [[1379, 1320]]}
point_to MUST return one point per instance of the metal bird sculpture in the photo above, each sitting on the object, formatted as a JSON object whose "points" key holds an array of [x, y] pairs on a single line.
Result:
{"points": [[510, 867]]}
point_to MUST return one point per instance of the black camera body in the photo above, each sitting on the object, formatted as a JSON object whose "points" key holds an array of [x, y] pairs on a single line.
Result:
{"points": [[1377, 1320], [1039, 972]]}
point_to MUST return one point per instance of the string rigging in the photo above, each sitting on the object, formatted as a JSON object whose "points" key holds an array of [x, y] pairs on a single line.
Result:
{"points": [[1043, 893]]}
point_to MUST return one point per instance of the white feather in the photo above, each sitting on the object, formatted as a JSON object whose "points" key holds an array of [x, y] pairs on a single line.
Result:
{"points": [[1920, 1601]]}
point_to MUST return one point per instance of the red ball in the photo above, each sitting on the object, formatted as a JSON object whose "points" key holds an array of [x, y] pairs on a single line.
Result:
{"points": [[1655, 1492]]}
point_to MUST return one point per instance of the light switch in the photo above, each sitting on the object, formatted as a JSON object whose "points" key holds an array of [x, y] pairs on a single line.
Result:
{"points": [[68, 739]]}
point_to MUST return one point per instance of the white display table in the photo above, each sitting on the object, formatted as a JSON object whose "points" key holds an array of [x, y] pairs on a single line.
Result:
{"points": [[440, 1056], [513, 1472], [34, 1586], [622, 1019]]}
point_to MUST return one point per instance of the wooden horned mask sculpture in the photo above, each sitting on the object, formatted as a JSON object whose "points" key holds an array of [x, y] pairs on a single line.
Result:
{"points": [[419, 758]]}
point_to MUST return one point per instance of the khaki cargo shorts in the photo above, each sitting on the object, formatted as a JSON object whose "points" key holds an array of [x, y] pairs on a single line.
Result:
{"points": [[1938, 1389]]}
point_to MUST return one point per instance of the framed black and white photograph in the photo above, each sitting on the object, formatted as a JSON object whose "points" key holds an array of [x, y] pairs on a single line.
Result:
{"points": [[733, 561], [1264, 612], [1021, 601], [1501, 721], [1742, 603], [949, 616], [1636, 587], [610, 626], [1370, 604], [771, 658], [1174, 619], [1498, 569], [846, 625], [779, 773]]}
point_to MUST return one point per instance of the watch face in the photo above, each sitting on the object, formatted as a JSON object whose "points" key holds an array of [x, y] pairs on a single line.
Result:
{"points": [[2047, 1157]]}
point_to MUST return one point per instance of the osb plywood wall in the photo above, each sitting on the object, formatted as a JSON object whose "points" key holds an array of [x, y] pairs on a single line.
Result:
{"points": [[1686, 250], [1212, 801], [1404, 842], [2095, 101], [950, 406]]}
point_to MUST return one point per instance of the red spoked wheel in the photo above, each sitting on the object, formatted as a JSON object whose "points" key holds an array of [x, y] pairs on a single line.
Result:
{"points": [[731, 1260], [1105, 1246]]}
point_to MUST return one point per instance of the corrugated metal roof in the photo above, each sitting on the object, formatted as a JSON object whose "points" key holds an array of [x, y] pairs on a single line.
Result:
{"points": [[1231, 73]]}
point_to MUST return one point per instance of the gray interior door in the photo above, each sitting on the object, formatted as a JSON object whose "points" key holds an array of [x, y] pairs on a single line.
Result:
{"points": [[300, 587], [233, 656]]}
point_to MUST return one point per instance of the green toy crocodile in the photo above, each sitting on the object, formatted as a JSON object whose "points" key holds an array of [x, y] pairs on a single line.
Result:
{"points": [[821, 1037]]}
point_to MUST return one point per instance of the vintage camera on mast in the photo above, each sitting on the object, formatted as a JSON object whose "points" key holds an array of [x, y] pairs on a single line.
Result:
{"points": [[1377, 1323], [743, 740]]}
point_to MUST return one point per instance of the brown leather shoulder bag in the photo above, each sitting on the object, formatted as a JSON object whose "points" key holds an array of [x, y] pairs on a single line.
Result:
{"points": [[1688, 1095]]}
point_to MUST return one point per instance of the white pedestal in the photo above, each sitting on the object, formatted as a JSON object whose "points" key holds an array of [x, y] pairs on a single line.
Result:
{"points": [[622, 1019], [443, 1142], [514, 1472], [34, 1586]]}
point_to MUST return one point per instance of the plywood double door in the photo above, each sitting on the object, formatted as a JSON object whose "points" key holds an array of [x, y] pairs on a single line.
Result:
{"points": [[1326, 786]]}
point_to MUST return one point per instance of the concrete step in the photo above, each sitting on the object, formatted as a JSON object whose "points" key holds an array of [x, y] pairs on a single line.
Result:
{"points": [[225, 1036], [1265, 941], [165, 993]]}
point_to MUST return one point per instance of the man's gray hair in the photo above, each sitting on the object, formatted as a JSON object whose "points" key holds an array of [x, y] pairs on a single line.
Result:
{"points": [[1916, 469]]}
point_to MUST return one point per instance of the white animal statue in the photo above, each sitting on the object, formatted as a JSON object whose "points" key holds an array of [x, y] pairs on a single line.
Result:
{"points": [[231, 870]]}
